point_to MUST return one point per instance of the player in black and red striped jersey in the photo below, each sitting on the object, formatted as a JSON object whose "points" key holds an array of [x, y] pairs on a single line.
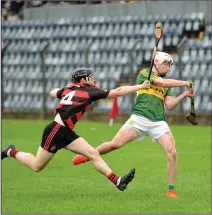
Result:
{"points": [[75, 99]]}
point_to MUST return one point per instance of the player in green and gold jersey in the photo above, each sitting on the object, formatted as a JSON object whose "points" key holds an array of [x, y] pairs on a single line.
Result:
{"points": [[148, 116]]}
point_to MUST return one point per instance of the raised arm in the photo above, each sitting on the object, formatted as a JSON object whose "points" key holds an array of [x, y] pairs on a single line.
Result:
{"points": [[170, 83], [125, 90]]}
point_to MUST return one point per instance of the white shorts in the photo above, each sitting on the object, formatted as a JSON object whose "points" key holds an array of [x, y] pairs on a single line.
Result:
{"points": [[145, 127]]}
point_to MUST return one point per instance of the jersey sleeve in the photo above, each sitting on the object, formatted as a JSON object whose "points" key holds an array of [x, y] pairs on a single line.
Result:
{"points": [[59, 93], [98, 93], [140, 78], [169, 92], [143, 75]]}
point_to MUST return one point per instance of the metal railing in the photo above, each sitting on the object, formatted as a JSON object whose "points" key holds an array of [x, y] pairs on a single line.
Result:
{"points": [[43, 80], [87, 51], [131, 60], [4, 48], [180, 49]]}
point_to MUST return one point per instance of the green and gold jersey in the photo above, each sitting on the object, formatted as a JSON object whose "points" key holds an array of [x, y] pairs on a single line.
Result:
{"points": [[150, 102]]}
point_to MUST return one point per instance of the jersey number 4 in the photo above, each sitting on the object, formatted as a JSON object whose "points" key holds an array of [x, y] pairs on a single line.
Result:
{"points": [[66, 100]]}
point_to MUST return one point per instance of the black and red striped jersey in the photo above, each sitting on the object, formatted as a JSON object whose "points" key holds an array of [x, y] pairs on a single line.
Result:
{"points": [[75, 100]]}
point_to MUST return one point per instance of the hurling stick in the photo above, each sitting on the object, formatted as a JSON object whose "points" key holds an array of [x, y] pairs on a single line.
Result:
{"points": [[158, 35], [191, 117]]}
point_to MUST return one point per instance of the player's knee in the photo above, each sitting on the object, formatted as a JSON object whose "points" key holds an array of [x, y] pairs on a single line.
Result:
{"points": [[172, 155], [37, 168], [93, 154], [114, 145]]}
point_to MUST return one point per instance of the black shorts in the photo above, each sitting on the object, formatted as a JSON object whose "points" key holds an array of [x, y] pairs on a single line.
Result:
{"points": [[56, 137]]}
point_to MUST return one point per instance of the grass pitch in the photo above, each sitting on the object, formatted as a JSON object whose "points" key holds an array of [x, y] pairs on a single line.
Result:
{"points": [[62, 188]]}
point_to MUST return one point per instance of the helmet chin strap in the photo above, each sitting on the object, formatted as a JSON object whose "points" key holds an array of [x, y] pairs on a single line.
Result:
{"points": [[161, 75]]}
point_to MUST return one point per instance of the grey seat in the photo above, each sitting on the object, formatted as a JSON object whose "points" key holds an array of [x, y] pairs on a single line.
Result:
{"points": [[114, 73], [117, 43], [185, 56], [174, 72], [111, 58], [206, 41], [197, 83], [102, 29], [168, 40], [103, 107], [123, 29], [103, 75], [194, 73], [175, 40], [103, 58], [110, 44], [103, 44], [130, 29], [137, 29], [208, 55], [204, 103], [125, 103], [193, 55], [51, 104], [127, 43], [147, 56]]}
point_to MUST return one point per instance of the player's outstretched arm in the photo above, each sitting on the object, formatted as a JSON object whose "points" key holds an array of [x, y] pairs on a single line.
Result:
{"points": [[125, 90], [171, 102], [53, 92]]}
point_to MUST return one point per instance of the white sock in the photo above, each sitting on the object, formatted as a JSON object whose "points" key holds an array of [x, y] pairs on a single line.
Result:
{"points": [[8, 152], [118, 181]]}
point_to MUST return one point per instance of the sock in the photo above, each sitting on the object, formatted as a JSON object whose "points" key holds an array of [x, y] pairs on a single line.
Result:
{"points": [[12, 153], [113, 178], [171, 187]]}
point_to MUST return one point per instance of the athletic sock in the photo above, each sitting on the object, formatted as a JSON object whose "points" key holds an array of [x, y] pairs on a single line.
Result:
{"points": [[113, 178], [12, 152], [171, 187]]}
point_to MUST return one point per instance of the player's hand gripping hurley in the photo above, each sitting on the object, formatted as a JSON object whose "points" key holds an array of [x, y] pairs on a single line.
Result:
{"points": [[191, 117], [158, 35]]}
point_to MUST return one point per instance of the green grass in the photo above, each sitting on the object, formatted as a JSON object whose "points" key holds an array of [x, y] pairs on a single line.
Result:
{"points": [[62, 188]]}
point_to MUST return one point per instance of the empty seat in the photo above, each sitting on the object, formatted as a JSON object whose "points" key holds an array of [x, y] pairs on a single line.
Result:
{"points": [[111, 40], [126, 103]]}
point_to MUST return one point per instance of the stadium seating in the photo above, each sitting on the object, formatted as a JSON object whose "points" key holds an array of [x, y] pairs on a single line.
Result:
{"points": [[104, 44]]}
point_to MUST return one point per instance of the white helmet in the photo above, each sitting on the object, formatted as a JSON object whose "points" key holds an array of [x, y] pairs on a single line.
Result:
{"points": [[163, 56]]}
